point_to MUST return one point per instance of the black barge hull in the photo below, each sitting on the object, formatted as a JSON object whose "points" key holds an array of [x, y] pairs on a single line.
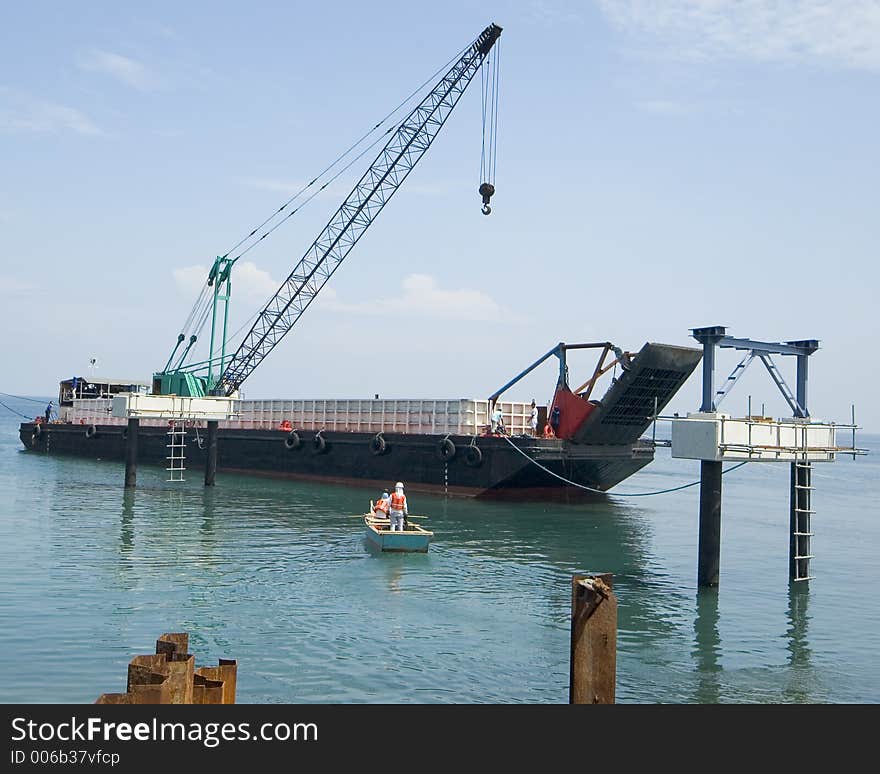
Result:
{"points": [[519, 467]]}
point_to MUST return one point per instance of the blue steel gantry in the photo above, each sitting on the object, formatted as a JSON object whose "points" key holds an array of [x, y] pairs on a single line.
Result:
{"points": [[712, 437]]}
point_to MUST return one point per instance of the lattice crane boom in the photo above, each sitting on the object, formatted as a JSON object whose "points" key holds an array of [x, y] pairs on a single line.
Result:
{"points": [[372, 192]]}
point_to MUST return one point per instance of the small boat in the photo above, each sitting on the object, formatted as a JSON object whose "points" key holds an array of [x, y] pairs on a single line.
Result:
{"points": [[414, 538]]}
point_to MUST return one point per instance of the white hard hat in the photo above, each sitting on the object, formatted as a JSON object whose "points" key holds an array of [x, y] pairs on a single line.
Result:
{"points": [[398, 485]]}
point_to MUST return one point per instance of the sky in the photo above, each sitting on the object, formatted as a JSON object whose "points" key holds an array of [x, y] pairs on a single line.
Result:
{"points": [[660, 166]]}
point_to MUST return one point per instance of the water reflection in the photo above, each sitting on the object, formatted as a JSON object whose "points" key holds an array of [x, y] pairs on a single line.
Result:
{"points": [[126, 524], [209, 504], [394, 580], [798, 618], [801, 675], [707, 648], [587, 536]]}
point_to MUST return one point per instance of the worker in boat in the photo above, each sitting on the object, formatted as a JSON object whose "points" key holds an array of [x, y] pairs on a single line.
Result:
{"points": [[533, 419], [380, 509], [397, 508]]}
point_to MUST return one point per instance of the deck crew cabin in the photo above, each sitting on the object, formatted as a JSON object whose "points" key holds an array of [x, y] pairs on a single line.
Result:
{"points": [[80, 388]]}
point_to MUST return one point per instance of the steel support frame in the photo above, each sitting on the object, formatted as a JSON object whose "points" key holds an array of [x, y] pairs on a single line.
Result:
{"points": [[559, 350], [710, 472], [716, 336]]}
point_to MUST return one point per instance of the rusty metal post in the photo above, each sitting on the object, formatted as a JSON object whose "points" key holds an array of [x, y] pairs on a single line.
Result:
{"points": [[226, 672], [114, 698], [207, 691], [176, 668], [593, 665], [169, 677], [146, 685], [131, 452], [172, 661], [173, 642], [211, 453]]}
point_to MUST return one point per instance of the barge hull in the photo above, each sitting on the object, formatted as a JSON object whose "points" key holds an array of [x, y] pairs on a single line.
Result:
{"points": [[520, 467]]}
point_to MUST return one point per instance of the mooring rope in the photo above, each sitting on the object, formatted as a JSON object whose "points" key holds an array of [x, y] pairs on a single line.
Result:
{"points": [[24, 416], [614, 494], [22, 397]]}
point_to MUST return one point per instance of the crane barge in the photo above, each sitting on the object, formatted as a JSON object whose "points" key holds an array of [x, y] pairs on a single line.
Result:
{"points": [[450, 446]]}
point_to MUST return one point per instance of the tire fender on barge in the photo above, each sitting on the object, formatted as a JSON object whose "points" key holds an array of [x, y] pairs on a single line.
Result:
{"points": [[473, 456], [446, 450], [378, 446]]}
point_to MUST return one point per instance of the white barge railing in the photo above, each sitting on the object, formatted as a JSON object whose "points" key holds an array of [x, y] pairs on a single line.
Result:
{"points": [[463, 416]]}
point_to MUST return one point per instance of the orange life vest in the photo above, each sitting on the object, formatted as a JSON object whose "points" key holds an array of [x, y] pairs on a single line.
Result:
{"points": [[381, 505], [397, 501]]}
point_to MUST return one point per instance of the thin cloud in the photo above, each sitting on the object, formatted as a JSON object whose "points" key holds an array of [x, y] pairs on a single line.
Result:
{"points": [[190, 279], [247, 279], [162, 30], [287, 187], [666, 107], [27, 115], [254, 281], [429, 189], [553, 13], [10, 286], [123, 69], [843, 33], [421, 296]]}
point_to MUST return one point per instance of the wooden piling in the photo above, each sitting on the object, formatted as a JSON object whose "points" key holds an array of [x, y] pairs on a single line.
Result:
{"points": [[593, 664], [131, 452]]}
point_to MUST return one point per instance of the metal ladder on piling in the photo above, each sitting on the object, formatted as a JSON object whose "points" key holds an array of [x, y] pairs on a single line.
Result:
{"points": [[801, 514], [176, 450]]}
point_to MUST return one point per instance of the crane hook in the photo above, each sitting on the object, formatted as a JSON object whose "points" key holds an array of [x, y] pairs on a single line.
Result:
{"points": [[486, 190]]}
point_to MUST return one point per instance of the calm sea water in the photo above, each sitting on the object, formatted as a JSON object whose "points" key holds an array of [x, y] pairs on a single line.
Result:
{"points": [[277, 575]]}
